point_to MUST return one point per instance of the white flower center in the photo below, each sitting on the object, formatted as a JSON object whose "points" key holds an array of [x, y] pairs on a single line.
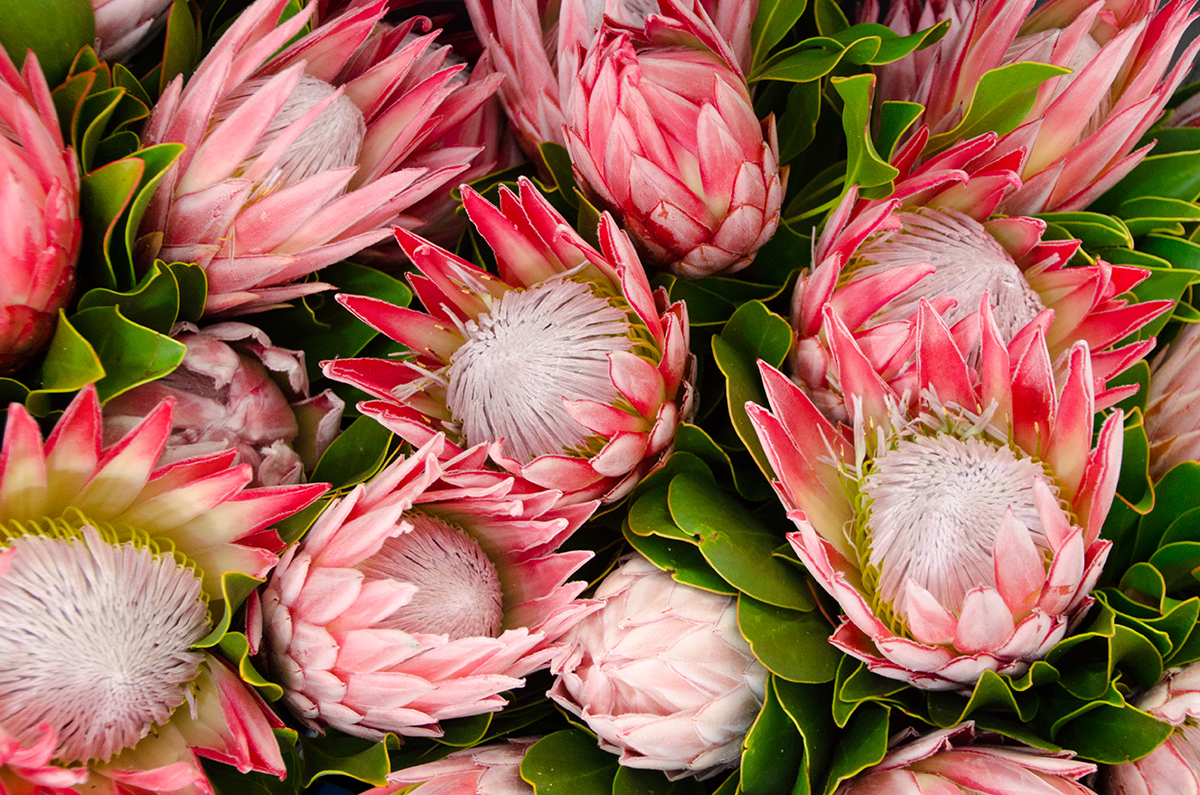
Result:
{"points": [[333, 140], [94, 641], [458, 588], [968, 262], [936, 503], [536, 348]]}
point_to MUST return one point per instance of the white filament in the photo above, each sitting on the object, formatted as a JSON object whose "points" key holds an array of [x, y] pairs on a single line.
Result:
{"points": [[968, 262], [94, 641], [936, 504], [458, 588], [536, 348]]}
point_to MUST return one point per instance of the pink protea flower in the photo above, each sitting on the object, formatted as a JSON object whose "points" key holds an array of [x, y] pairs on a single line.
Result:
{"points": [[568, 366], [666, 136], [958, 760], [235, 390], [422, 596], [40, 201], [662, 674], [934, 239], [123, 27], [484, 770], [107, 565], [1081, 131], [945, 525], [1172, 420], [297, 160], [1173, 767]]}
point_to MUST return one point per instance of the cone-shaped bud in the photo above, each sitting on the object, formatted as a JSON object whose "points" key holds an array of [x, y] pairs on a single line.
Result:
{"points": [[662, 674], [567, 365], [958, 760], [483, 770], [1081, 131], [300, 159], [958, 530], [235, 390], [39, 198], [422, 596], [1174, 766], [666, 137]]}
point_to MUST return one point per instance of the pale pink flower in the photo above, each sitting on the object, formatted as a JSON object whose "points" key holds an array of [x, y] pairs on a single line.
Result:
{"points": [[1172, 768], [957, 760], [421, 596], [483, 770], [662, 674], [944, 522], [666, 137], [567, 365], [123, 27], [235, 390], [299, 159], [39, 201], [1172, 420]]}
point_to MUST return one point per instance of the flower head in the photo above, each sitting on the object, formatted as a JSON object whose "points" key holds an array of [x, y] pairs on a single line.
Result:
{"points": [[934, 239], [123, 27], [1172, 421], [959, 760], [40, 241], [484, 770], [662, 674], [422, 596], [297, 160], [567, 365], [945, 526], [1174, 766]]}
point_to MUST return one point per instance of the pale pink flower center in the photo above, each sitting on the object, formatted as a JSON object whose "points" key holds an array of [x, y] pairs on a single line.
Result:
{"points": [[458, 589], [935, 505], [333, 140], [535, 349], [968, 260], [95, 640]]}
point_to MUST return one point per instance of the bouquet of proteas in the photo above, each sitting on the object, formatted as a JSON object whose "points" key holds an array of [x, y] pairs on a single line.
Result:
{"points": [[525, 396]]}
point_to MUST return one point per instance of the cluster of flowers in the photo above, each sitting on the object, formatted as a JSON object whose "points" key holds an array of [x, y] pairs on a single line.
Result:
{"points": [[945, 432]]}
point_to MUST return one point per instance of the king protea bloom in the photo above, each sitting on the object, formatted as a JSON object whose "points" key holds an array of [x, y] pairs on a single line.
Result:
{"points": [[957, 530], [934, 239], [567, 365], [40, 241], [662, 674], [484, 770], [300, 159], [1173, 403], [957, 760], [1172, 768], [98, 537], [421, 596], [1081, 130], [235, 390], [666, 137]]}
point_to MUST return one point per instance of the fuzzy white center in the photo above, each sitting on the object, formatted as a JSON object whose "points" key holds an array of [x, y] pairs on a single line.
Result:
{"points": [[333, 140], [94, 641], [536, 348], [968, 262], [936, 503], [458, 588]]}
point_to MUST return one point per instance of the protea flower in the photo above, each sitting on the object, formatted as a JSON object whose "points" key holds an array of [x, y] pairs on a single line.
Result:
{"points": [[235, 390], [666, 137], [123, 27], [955, 760], [483, 770], [40, 200], [106, 569], [297, 160], [934, 240], [568, 366], [945, 525], [1081, 130], [1172, 408], [662, 674], [1174, 766], [422, 596]]}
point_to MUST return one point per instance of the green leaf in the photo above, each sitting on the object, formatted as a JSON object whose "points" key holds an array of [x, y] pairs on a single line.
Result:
{"points": [[772, 757], [236, 647], [891, 45], [234, 587], [864, 166], [332, 755], [1146, 214], [812, 59], [1180, 253], [808, 707], [465, 732], [798, 124], [1094, 229], [651, 515], [895, 118], [355, 455], [91, 124], [682, 559], [863, 744], [1110, 734], [792, 644], [775, 18], [103, 196], [1000, 103], [1168, 175], [632, 781], [130, 354], [71, 362], [569, 762], [153, 303], [992, 692], [713, 299], [558, 162], [830, 18], [181, 53]]}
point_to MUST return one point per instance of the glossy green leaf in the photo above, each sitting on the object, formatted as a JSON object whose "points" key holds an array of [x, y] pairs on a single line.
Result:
{"points": [[813, 59], [892, 46], [863, 744], [773, 753], [569, 763], [71, 362], [1146, 214], [1095, 230], [632, 781], [236, 648], [153, 303], [808, 707], [682, 559], [797, 125], [1181, 253], [829, 17], [775, 18], [895, 119], [864, 166], [234, 586], [91, 124], [650, 514], [1110, 734], [465, 732], [1170, 175], [355, 455], [1000, 103], [332, 755], [103, 196], [792, 644], [855, 685], [130, 354], [181, 53], [558, 162]]}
